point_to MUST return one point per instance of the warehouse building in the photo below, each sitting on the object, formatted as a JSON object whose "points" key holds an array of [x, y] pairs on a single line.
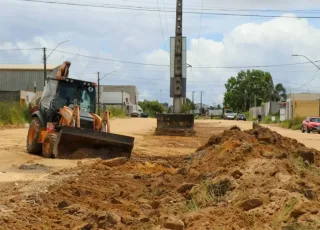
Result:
{"points": [[129, 92], [15, 78]]}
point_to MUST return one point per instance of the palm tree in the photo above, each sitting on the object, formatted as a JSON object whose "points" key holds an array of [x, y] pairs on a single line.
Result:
{"points": [[278, 92]]}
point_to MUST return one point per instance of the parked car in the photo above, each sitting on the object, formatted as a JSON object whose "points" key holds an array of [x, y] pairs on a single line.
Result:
{"points": [[241, 117], [229, 115], [311, 124], [144, 114]]}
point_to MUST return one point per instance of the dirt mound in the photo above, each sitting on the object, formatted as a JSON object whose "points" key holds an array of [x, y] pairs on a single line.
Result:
{"points": [[268, 178], [253, 179]]}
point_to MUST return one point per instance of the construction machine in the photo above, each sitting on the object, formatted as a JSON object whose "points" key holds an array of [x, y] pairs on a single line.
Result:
{"points": [[64, 123]]}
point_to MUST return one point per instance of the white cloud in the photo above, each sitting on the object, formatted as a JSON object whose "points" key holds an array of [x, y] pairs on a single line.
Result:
{"points": [[137, 36]]}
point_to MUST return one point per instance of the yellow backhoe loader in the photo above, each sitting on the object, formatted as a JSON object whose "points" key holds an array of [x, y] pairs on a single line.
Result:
{"points": [[64, 123]]}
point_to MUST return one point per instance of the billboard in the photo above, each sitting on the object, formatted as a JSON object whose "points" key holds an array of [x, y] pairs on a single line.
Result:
{"points": [[184, 66]]}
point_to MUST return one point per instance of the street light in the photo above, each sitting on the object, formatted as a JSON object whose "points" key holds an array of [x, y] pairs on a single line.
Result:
{"points": [[99, 79], [45, 57], [298, 55], [57, 47]]}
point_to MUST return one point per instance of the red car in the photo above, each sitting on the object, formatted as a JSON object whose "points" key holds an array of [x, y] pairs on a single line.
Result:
{"points": [[311, 124]]}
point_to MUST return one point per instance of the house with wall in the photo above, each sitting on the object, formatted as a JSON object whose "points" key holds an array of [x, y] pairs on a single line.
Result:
{"points": [[302, 105]]}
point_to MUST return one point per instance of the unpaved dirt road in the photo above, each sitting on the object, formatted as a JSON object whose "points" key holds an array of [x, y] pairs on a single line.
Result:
{"points": [[256, 179], [159, 165], [13, 145]]}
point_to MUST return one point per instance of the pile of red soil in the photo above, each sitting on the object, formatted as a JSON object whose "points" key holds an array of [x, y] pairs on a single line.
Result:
{"points": [[253, 179], [260, 177]]}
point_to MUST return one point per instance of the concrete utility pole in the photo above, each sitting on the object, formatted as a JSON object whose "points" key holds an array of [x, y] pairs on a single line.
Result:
{"points": [[99, 79], [98, 93], [201, 103], [177, 102], [318, 98], [44, 66], [45, 57], [193, 97]]}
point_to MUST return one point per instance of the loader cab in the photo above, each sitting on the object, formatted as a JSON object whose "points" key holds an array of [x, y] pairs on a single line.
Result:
{"points": [[59, 93], [63, 92], [83, 92]]}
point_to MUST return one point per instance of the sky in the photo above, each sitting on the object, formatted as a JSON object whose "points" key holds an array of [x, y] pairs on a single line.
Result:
{"points": [[131, 37]]}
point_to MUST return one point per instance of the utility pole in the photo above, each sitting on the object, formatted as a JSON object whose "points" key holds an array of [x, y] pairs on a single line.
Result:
{"points": [[44, 65], [201, 102], [98, 93], [318, 98], [193, 97], [34, 86], [255, 101], [177, 102], [122, 97]]}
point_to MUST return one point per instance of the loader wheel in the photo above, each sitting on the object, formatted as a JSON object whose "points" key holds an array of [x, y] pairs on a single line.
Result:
{"points": [[49, 146], [33, 135]]}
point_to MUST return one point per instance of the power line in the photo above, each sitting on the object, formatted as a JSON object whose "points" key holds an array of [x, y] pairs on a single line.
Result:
{"points": [[199, 31], [161, 26], [165, 16], [253, 66], [112, 60], [196, 67], [315, 75], [137, 8], [18, 49]]}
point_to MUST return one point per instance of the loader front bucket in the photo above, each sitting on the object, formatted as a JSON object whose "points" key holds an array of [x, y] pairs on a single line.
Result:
{"points": [[80, 143]]}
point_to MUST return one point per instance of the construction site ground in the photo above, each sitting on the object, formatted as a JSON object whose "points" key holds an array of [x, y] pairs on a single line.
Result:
{"points": [[219, 179]]}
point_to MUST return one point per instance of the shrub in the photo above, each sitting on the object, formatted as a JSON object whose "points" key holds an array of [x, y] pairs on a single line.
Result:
{"points": [[12, 113], [116, 112], [296, 127], [268, 120], [294, 124]]}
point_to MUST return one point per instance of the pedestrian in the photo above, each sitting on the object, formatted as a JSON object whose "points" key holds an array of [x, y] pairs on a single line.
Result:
{"points": [[259, 117]]}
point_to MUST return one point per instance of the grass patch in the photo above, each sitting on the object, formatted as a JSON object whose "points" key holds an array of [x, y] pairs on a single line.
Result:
{"points": [[12, 113], [302, 167], [296, 127], [206, 193], [116, 112], [294, 124], [268, 120], [283, 214]]}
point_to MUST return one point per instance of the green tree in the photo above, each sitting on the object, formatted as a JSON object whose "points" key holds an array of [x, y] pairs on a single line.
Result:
{"points": [[249, 88], [279, 92], [219, 106], [151, 107], [188, 106]]}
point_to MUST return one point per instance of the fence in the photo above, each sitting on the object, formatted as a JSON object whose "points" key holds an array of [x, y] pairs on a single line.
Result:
{"points": [[265, 110]]}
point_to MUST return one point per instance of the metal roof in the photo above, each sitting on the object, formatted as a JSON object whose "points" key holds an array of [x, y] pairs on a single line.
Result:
{"points": [[26, 67]]}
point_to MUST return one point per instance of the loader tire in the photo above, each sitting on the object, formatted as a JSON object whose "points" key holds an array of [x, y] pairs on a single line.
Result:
{"points": [[49, 146], [33, 135]]}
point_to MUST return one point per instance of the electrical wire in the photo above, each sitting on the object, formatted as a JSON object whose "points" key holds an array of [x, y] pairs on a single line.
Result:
{"points": [[108, 59], [18, 49], [164, 43], [196, 67], [138, 8]]}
